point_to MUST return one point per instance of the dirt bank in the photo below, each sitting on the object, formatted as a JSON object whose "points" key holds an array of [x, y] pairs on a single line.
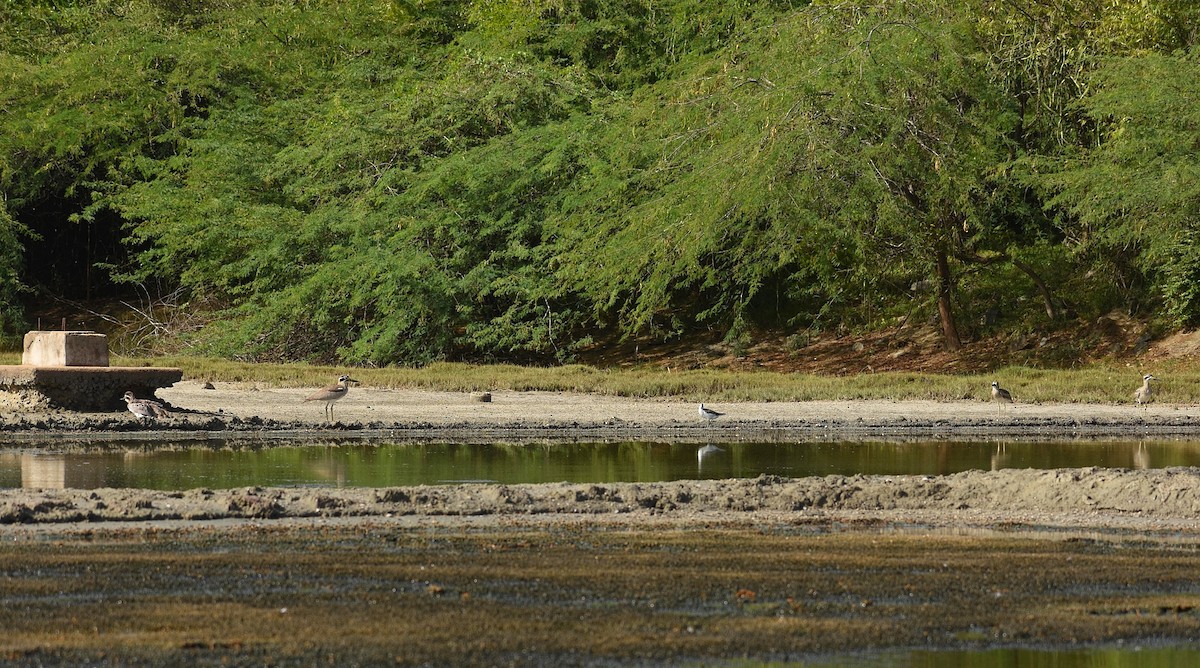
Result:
{"points": [[254, 409], [1077, 498]]}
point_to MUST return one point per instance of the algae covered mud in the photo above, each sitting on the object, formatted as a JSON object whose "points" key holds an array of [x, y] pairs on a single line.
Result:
{"points": [[823, 569], [565, 591]]}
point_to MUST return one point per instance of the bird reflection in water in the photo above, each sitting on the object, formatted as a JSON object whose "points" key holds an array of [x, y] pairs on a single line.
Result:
{"points": [[1141, 457], [707, 452], [329, 464], [1000, 458]]}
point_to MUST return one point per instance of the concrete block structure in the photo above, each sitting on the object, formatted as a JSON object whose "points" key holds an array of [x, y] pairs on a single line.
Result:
{"points": [[70, 370], [65, 349]]}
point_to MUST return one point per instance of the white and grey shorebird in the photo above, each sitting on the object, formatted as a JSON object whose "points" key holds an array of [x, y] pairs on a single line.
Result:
{"points": [[1000, 396], [708, 413], [1142, 395], [331, 393], [144, 409]]}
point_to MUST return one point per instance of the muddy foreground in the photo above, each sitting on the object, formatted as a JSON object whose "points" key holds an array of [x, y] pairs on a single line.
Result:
{"points": [[771, 569]]}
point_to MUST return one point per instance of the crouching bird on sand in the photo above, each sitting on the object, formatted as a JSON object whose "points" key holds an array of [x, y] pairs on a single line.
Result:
{"points": [[144, 409]]}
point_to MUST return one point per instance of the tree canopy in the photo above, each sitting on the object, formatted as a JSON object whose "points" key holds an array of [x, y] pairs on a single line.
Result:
{"points": [[394, 183]]}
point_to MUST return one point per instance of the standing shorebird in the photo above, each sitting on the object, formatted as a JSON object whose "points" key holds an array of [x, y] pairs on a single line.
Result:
{"points": [[709, 414], [1000, 396], [331, 393], [144, 409], [1141, 396]]}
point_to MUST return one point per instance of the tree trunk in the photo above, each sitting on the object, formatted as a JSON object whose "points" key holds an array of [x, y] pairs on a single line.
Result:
{"points": [[949, 330], [1047, 296]]}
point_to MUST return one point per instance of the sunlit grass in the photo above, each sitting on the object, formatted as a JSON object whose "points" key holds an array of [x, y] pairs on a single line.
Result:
{"points": [[1179, 381], [1098, 384]]}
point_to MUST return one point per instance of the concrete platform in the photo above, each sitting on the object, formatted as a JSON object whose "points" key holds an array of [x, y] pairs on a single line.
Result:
{"points": [[80, 388]]}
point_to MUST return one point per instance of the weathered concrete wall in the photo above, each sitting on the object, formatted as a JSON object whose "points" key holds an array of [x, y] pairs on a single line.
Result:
{"points": [[65, 349], [80, 388]]}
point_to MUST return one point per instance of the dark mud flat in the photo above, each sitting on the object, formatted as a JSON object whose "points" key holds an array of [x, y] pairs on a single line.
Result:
{"points": [[554, 591], [44, 430], [766, 569]]}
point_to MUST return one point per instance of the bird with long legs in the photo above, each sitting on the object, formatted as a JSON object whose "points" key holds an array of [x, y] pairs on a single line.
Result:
{"points": [[1000, 396], [331, 393], [1144, 395]]}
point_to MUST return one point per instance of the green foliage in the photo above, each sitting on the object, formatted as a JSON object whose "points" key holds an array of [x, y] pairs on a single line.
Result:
{"points": [[1134, 199], [11, 321], [835, 154], [396, 183]]}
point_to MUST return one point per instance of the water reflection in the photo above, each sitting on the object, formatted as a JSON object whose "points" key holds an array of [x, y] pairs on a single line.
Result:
{"points": [[55, 471], [390, 464], [709, 451], [1001, 458], [1141, 457]]}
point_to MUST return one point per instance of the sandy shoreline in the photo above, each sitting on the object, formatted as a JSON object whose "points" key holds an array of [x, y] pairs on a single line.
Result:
{"points": [[245, 411], [256, 409], [1165, 499]]}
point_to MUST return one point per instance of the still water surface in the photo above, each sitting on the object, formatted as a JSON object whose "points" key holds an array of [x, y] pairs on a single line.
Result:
{"points": [[391, 464]]}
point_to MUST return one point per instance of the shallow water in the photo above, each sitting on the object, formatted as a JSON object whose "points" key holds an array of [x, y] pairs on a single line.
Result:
{"points": [[390, 464]]}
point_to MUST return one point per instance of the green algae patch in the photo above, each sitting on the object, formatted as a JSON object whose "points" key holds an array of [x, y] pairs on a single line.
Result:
{"points": [[536, 592]]}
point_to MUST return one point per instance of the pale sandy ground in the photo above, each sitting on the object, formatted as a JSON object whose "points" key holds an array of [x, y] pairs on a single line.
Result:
{"points": [[561, 409], [257, 408], [1076, 498]]}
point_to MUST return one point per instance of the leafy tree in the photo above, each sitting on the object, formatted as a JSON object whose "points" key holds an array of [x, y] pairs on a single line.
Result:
{"points": [[400, 182], [385, 232], [1137, 194], [11, 318], [845, 151]]}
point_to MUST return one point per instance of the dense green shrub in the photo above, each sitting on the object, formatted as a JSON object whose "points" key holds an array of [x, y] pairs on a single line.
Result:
{"points": [[381, 183]]}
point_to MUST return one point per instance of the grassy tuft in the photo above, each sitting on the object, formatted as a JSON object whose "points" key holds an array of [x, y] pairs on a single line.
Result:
{"points": [[1097, 384], [1179, 383]]}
